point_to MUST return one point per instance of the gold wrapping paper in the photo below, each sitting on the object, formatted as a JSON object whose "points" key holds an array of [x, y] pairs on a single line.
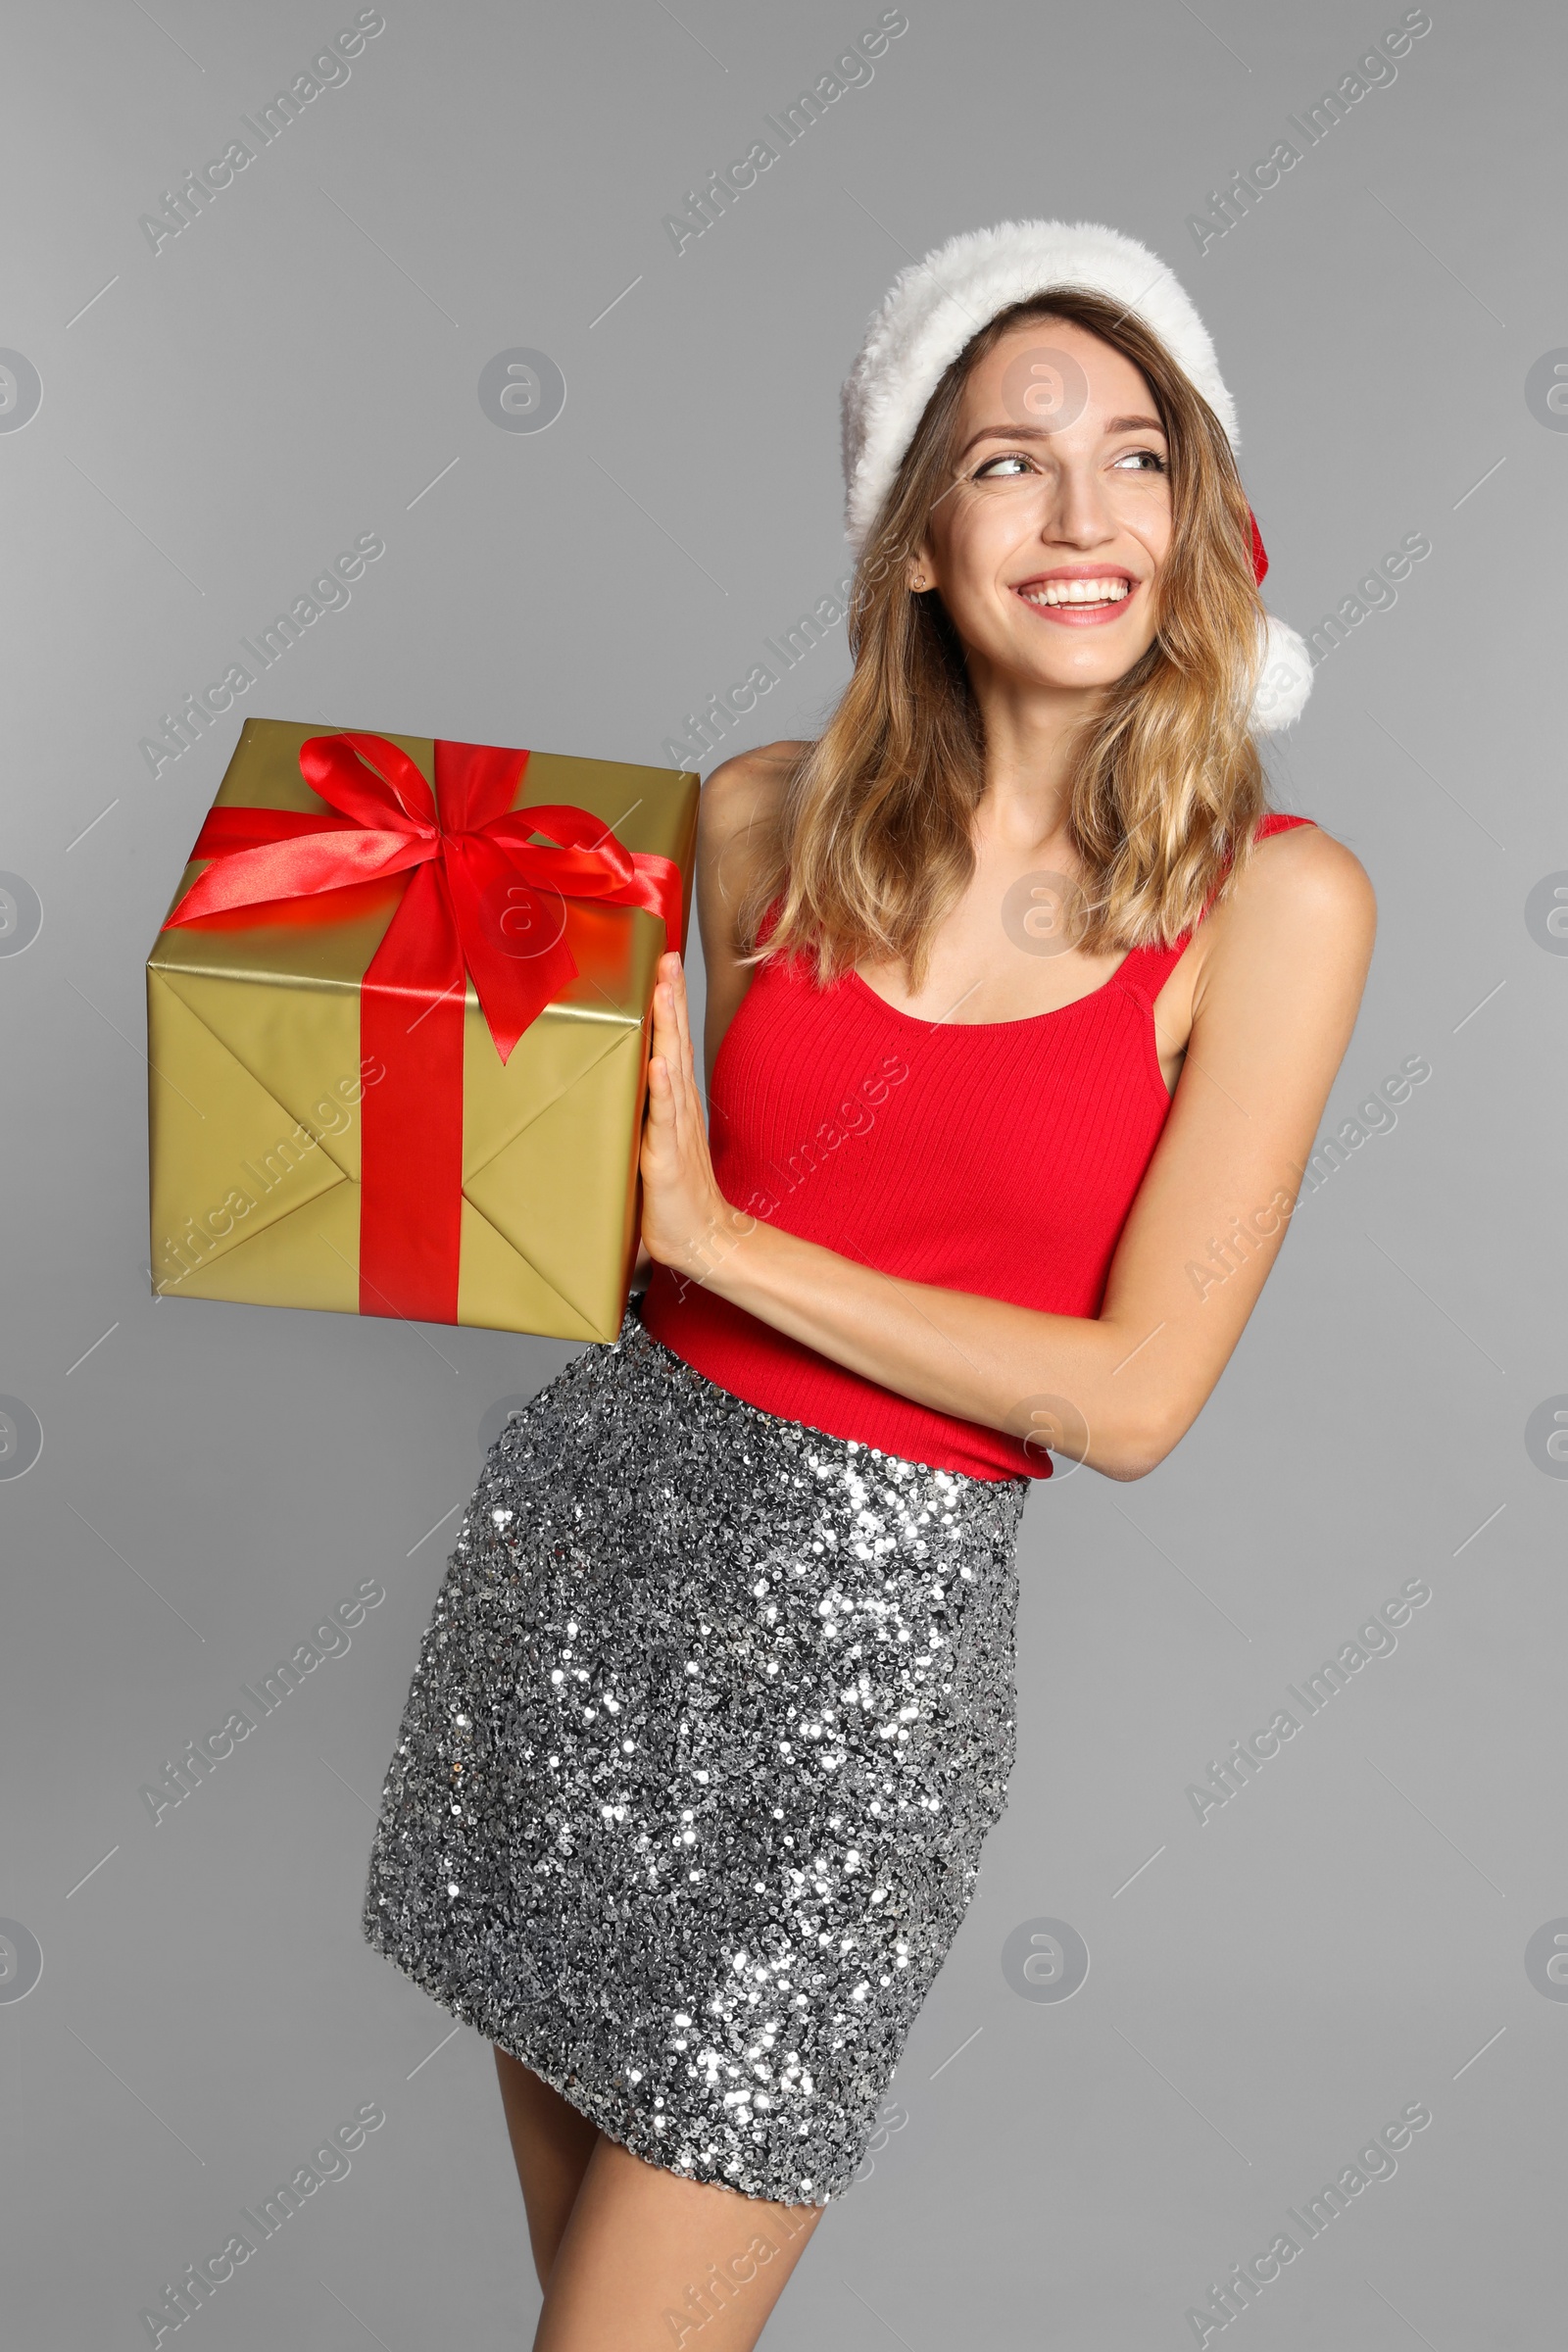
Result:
{"points": [[256, 1077]]}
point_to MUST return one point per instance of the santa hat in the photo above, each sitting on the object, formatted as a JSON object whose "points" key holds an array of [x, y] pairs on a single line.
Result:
{"points": [[935, 306]]}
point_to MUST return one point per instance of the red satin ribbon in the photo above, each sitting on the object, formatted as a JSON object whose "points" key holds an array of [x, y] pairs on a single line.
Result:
{"points": [[482, 900]]}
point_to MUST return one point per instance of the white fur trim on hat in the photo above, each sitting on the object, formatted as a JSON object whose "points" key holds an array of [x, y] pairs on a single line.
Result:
{"points": [[936, 305], [1281, 693]]}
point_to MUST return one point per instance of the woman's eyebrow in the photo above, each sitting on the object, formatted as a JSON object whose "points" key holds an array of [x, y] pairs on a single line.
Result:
{"points": [[1038, 432]]}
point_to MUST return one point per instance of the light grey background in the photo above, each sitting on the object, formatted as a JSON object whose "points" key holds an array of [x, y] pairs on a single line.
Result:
{"points": [[1346, 1935]]}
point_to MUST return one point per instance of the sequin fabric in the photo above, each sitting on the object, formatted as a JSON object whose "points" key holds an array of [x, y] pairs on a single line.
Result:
{"points": [[708, 1725]]}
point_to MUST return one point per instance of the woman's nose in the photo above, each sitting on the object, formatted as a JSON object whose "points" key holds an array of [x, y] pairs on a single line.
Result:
{"points": [[1079, 511]]}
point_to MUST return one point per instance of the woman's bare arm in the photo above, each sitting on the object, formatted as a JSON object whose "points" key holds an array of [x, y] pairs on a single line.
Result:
{"points": [[1276, 1001]]}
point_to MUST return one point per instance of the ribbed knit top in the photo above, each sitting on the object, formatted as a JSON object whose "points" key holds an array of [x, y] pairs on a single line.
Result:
{"points": [[999, 1157]]}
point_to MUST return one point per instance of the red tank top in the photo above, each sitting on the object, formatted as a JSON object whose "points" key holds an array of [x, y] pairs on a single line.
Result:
{"points": [[995, 1156]]}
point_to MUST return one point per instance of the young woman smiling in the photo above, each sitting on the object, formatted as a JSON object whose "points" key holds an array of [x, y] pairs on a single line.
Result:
{"points": [[1016, 996]]}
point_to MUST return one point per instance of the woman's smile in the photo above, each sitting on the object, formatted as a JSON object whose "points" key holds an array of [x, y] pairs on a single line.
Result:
{"points": [[1079, 596]]}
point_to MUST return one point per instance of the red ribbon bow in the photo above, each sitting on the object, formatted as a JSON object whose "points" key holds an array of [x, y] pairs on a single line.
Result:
{"points": [[484, 900]]}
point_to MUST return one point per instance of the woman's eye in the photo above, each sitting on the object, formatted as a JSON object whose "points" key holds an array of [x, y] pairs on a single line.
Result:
{"points": [[988, 472], [1144, 460]]}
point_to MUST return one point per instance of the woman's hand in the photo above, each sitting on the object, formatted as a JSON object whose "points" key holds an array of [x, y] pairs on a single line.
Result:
{"points": [[687, 1223]]}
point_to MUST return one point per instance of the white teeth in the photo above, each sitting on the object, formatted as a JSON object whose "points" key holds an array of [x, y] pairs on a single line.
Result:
{"points": [[1078, 591]]}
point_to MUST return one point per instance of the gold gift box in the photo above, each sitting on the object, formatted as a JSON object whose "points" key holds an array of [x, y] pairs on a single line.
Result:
{"points": [[253, 1026]]}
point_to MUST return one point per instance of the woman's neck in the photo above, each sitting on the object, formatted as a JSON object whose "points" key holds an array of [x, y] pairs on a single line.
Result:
{"points": [[1030, 733]]}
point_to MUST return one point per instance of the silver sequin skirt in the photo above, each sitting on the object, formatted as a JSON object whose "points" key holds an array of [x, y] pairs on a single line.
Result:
{"points": [[708, 1729]]}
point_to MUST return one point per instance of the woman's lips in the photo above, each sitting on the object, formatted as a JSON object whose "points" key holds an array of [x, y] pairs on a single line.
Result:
{"points": [[1080, 616]]}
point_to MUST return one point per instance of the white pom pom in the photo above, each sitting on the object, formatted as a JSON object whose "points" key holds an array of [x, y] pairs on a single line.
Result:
{"points": [[1284, 680]]}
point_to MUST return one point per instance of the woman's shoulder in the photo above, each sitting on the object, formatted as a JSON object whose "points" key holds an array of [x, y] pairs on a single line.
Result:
{"points": [[736, 810], [1302, 901], [1296, 861], [747, 785]]}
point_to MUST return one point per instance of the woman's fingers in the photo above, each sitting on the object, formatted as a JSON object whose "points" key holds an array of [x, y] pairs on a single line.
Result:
{"points": [[665, 1079], [655, 1128], [671, 1034], [681, 1208], [694, 1083], [675, 1124], [667, 994], [682, 1014]]}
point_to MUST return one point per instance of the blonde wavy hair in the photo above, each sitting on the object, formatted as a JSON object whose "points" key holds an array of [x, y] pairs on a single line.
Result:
{"points": [[869, 843]]}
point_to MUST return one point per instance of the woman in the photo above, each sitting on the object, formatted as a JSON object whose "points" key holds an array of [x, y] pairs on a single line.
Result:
{"points": [[714, 1712]]}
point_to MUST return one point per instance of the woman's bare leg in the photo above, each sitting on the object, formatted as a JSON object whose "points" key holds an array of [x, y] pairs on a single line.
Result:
{"points": [[651, 2260], [552, 2144]]}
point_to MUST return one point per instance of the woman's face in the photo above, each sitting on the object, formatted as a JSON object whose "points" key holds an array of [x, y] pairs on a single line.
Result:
{"points": [[1046, 546]]}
